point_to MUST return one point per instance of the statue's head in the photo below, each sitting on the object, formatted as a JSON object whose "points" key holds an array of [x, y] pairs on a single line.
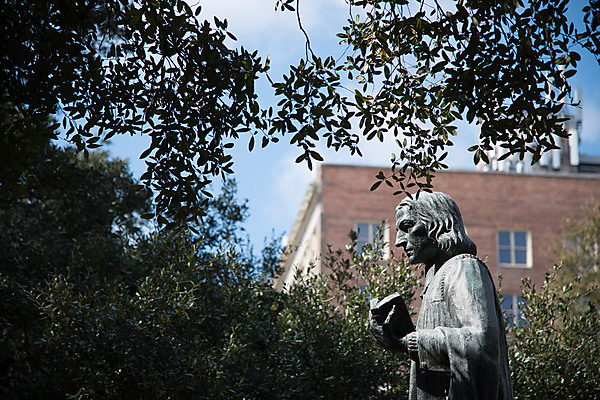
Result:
{"points": [[429, 225]]}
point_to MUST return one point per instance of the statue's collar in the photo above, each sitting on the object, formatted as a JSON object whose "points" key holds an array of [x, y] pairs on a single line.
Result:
{"points": [[428, 279]]}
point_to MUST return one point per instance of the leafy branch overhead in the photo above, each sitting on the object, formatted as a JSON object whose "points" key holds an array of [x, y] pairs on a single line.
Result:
{"points": [[115, 67], [419, 67]]}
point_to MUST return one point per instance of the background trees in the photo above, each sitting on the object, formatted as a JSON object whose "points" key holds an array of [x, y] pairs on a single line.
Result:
{"points": [[93, 305], [580, 254], [117, 309], [70, 216]]}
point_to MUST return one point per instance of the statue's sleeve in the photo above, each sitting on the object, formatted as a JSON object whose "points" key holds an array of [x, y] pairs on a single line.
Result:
{"points": [[465, 343]]}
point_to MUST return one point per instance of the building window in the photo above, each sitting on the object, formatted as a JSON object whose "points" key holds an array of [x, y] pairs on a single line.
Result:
{"points": [[367, 232], [512, 306], [514, 249]]}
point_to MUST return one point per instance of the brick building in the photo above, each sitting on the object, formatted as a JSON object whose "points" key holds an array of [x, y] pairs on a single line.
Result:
{"points": [[513, 218]]}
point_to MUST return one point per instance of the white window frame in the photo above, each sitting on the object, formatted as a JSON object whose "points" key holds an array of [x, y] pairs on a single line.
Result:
{"points": [[512, 248], [373, 226]]}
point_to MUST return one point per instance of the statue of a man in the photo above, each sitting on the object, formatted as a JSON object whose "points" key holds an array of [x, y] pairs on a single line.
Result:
{"points": [[458, 349]]}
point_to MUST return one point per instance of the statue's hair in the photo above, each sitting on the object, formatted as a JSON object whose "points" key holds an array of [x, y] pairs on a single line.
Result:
{"points": [[441, 216]]}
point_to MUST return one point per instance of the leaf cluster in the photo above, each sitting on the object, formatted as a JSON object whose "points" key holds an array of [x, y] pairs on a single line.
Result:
{"points": [[328, 312], [90, 70], [421, 67], [113, 67]]}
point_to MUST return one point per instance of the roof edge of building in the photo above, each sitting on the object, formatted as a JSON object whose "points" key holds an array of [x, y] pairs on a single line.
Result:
{"points": [[311, 199], [541, 174]]}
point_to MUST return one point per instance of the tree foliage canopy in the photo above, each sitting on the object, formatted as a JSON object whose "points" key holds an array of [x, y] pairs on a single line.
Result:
{"points": [[112, 67], [70, 217], [109, 67], [422, 66]]}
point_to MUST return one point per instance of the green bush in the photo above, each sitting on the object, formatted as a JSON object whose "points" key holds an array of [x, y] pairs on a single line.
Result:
{"points": [[176, 314], [555, 352]]}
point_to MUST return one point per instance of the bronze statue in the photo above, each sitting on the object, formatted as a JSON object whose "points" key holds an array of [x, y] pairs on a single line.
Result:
{"points": [[458, 349]]}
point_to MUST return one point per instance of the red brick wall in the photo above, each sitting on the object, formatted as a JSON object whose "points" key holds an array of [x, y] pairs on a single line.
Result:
{"points": [[488, 202]]}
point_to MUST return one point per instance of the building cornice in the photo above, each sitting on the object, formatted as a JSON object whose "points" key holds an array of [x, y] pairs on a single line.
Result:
{"points": [[297, 236]]}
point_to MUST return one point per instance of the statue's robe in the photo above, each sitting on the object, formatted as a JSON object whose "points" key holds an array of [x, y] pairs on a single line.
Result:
{"points": [[461, 340]]}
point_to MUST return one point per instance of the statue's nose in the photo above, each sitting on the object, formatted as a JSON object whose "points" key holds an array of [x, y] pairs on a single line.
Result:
{"points": [[400, 240]]}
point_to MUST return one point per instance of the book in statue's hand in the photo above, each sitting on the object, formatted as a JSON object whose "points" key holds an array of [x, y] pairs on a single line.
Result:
{"points": [[400, 324]]}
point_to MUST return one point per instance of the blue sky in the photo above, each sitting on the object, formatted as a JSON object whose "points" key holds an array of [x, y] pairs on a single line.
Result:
{"points": [[273, 184]]}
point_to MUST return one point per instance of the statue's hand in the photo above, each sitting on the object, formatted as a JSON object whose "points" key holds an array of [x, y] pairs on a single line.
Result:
{"points": [[382, 331]]}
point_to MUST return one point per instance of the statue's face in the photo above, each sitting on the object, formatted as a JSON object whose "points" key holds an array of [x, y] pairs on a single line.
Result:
{"points": [[412, 236]]}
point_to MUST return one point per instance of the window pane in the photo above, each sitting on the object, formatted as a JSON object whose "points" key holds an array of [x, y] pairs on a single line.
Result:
{"points": [[359, 244], [520, 305], [363, 230], [373, 228], [504, 256], [520, 239], [512, 306], [508, 310], [507, 303], [504, 238], [520, 257]]}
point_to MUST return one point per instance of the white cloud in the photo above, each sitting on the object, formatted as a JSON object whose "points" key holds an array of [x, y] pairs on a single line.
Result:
{"points": [[258, 25], [458, 156], [290, 182], [590, 132], [250, 20], [376, 153]]}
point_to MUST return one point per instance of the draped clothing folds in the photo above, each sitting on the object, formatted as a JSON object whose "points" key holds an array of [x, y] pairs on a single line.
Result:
{"points": [[461, 338]]}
